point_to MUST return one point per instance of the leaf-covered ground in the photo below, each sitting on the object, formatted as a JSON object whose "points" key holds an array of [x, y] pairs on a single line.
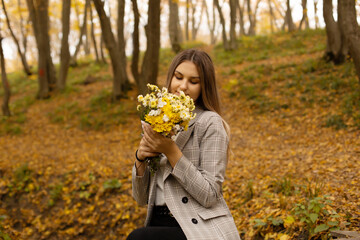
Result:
{"points": [[65, 162]]}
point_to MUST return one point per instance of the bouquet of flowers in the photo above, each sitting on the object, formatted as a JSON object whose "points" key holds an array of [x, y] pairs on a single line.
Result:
{"points": [[167, 113]]}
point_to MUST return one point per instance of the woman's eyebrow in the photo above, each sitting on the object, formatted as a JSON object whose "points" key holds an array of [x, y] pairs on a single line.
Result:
{"points": [[183, 75], [178, 72]]}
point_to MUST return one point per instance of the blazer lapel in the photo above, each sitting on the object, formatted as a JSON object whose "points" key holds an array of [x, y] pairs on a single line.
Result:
{"points": [[182, 139], [152, 189]]}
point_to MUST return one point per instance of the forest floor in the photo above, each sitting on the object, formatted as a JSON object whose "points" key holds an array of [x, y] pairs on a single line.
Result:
{"points": [[294, 172]]}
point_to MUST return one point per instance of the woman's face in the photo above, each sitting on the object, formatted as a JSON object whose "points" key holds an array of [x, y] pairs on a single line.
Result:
{"points": [[186, 78]]}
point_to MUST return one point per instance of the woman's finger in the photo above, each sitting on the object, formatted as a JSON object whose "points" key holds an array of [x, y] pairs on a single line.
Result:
{"points": [[146, 129], [151, 133], [147, 141], [146, 151]]}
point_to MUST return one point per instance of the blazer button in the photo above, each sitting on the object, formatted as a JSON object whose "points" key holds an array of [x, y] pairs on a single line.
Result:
{"points": [[185, 200], [194, 221]]}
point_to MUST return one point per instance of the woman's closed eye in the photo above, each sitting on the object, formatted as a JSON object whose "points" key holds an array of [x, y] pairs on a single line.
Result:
{"points": [[194, 81], [178, 76]]}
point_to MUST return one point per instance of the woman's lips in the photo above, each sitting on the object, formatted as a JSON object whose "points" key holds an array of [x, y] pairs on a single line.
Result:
{"points": [[178, 93]]}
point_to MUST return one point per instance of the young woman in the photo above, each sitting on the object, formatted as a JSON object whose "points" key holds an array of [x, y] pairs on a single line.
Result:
{"points": [[184, 196]]}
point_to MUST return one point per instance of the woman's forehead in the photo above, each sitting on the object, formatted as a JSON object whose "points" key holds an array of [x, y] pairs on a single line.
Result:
{"points": [[187, 68]]}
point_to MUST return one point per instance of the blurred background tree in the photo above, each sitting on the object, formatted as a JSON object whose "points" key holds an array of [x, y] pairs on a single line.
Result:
{"points": [[145, 26]]}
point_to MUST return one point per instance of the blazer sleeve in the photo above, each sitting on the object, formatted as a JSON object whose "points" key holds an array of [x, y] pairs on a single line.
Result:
{"points": [[204, 182], [140, 186]]}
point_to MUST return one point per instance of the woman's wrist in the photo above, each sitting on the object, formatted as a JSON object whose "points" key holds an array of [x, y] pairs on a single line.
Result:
{"points": [[137, 158], [173, 154]]}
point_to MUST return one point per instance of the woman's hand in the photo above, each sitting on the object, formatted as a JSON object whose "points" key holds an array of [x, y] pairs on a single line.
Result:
{"points": [[153, 143], [145, 151], [154, 140]]}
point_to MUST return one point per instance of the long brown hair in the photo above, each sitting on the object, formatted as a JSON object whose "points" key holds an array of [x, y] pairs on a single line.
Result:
{"points": [[209, 97]]}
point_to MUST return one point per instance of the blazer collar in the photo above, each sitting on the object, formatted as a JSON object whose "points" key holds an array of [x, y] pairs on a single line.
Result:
{"points": [[184, 136]]}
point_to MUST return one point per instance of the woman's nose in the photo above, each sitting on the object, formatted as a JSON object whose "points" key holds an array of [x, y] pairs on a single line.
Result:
{"points": [[183, 85]]}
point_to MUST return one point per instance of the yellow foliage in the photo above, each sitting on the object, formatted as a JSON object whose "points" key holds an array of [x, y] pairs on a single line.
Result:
{"points": [[278, 159]]}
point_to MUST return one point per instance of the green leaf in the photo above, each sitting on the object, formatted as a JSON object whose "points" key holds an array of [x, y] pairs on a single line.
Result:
{"points": [[333, 223], [259, 223], [277, 221], [111, 184], [317, 209], [311, 205], [4, 236], [85, 194], [321, 228], [313, 217]]}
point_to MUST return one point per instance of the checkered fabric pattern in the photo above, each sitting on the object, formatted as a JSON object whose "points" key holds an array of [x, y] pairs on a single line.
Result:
{"points": [[193, 188]]}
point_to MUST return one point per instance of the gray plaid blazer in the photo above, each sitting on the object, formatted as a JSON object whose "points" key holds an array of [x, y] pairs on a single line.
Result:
{"points": [[193, 188]]}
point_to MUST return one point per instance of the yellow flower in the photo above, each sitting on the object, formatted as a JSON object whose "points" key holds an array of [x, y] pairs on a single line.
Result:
{"points": [[153, 103], [166, 112], [140, 98]]}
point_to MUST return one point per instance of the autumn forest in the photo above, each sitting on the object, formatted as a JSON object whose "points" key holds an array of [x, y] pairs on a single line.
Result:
{"points": [[288, 73]]}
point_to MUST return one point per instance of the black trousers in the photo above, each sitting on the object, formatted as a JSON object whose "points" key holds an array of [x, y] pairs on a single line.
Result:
{"points": [[161, 228]]}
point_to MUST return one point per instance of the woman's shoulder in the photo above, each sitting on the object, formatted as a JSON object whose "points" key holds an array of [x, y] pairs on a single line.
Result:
{"points": [[207, 118], [211, 123]]}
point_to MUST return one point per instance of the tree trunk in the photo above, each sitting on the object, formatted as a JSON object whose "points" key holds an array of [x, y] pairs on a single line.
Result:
{"points": [[241, 18], [316, 14], [7, 92], [211, 26], [187, 20], [82, 33], [77, 13], [222, 20], [252, 17], [304, 18], [149, 68], [195, 27], [173, 26], [289, 20], [271, 13], [344, 51], [251, 30], [46, 70], [121, 42], [113, 49], [351, 29], [193, 10], [233, 43], [21, 54], [136, 45], [22, 29], [93, 34], [86, 36], [334, 41], [102, 49], [281, 12], [65, 53]]}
